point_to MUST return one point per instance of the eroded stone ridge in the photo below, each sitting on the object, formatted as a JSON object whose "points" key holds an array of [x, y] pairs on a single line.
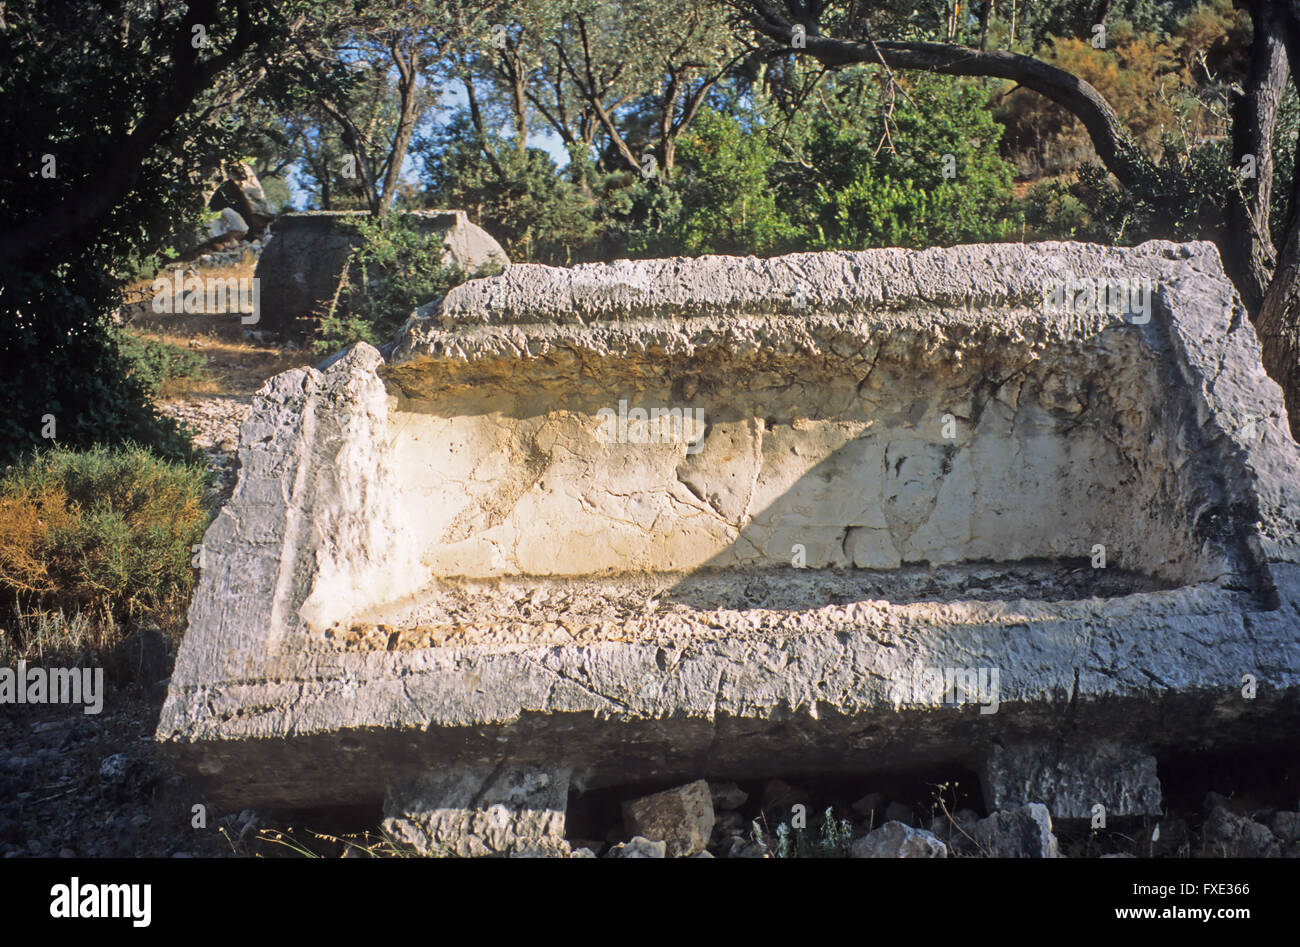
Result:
{"points": [[661, 518]]}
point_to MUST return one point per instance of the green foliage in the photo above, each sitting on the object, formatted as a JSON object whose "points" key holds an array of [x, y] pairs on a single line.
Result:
{"points": [[833, 840], [884, 179], [851, 176], [1161, 84], [106, 531], [151, 362], [86, 82], [727, 202], [520, 197], [1170, 84], [1045, 18], [641, 217], [397, 268], [277, 193], [63, 363], [1181, 198], [1053, 212], [1285, 137]]}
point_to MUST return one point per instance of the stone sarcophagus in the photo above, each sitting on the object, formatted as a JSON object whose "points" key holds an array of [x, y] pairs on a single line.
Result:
{"points": [[732, 517], [301, 267]]}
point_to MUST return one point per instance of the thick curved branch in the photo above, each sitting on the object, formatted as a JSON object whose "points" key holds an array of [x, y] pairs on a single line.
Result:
{"points": [[1114, 146]]}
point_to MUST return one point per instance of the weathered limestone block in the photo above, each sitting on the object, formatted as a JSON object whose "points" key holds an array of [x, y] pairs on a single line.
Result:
{"points": [[1025, 832], [681, 818], [476, 811], [243, 191], [1072, 780], [665, 519], [727, 796], [227, 228]]}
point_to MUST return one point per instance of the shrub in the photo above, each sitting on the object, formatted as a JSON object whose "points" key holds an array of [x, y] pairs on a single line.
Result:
{"points": [[928, 173], [63, 361], [728, 205], [1181, 198], [1054, 212], [834, 840], [103, 531], [152, 362], [396, 268]]}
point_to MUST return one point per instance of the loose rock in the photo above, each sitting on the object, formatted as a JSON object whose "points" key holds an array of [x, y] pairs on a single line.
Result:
{"points": [[469, 811], [1022, 833], [1072, 781], [682, 818], [638, 847], [1286, 826], [1229, 835], [898, 840]]}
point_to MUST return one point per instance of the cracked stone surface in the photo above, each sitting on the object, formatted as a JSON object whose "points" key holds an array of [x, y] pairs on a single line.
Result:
{"points": [[897, 840], [1025, 832], [439, 552], [471, 812], [681, 818], [1072, 780]]}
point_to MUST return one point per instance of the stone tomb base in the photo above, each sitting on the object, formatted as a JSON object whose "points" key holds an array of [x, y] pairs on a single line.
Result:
{"points": [[672, 519]]}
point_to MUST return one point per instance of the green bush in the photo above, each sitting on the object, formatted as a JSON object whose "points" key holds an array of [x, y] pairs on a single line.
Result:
{"points": [[105, 531], [1180, 198], [396, 268], [859, 172], [63, 363], [1054, 212], [150, 362], [727, 202], [922, 172]]}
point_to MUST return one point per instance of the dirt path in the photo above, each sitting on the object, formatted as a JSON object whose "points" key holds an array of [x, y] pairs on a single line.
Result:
{"points": [[237, 362]]}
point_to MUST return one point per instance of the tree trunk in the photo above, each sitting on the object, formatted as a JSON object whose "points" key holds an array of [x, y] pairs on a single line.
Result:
{"points": [[408, 88], [518, 77], [1248, 252], [476, 116], [1278, 324], [1278, 321]]}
